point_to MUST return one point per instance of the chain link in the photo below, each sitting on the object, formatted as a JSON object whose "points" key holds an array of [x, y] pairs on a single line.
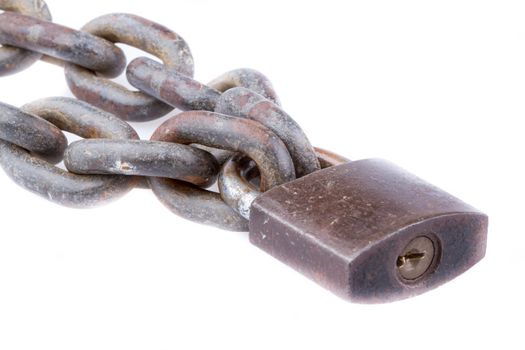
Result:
{"points": [[140, 33], [63, 43], [15, 59], [185, 93], [55, 184], [236, 121]]}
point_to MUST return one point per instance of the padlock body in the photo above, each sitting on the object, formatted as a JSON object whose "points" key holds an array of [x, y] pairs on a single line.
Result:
{"points": [[350, 228]]}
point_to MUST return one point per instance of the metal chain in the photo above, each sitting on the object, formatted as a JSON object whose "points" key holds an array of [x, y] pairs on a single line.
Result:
{"points": [[233, 129]]}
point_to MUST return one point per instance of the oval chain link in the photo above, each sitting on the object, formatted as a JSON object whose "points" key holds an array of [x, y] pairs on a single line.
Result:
{"points": [[140, 33], [55, 184], [63, 43]]}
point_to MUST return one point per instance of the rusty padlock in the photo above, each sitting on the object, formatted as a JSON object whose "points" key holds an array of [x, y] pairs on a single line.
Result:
{"points": [[367, 230]]}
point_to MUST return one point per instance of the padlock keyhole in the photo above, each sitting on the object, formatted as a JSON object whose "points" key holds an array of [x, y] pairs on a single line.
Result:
{"points": [[413, 258], [416, 259]]}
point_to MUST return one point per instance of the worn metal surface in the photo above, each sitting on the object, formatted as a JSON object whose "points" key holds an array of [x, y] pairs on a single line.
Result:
{"points": [[55, 184], [238, 102], [14, 59], [241, 102], [81, 118], [32, 133], [61, 42], [221, 155], [143, 158], [143, 34], [176, 89], [198, 205], [235, 190], [234, 134], [346, 227], [250, 79], [215, 130], [185, 93], [239, 179]]}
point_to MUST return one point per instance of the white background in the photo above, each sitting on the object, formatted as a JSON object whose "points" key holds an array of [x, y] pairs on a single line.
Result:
{"points": [[437, 87]]}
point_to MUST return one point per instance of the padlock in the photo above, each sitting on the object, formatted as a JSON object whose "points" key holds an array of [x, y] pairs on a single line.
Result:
{"points": [[369, 231]]}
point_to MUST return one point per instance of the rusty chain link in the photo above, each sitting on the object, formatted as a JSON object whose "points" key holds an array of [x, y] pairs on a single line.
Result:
{"points": [[143, 34], [62, 43], [55, 184], [15, 59], [232, 129], [185, 93]]}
